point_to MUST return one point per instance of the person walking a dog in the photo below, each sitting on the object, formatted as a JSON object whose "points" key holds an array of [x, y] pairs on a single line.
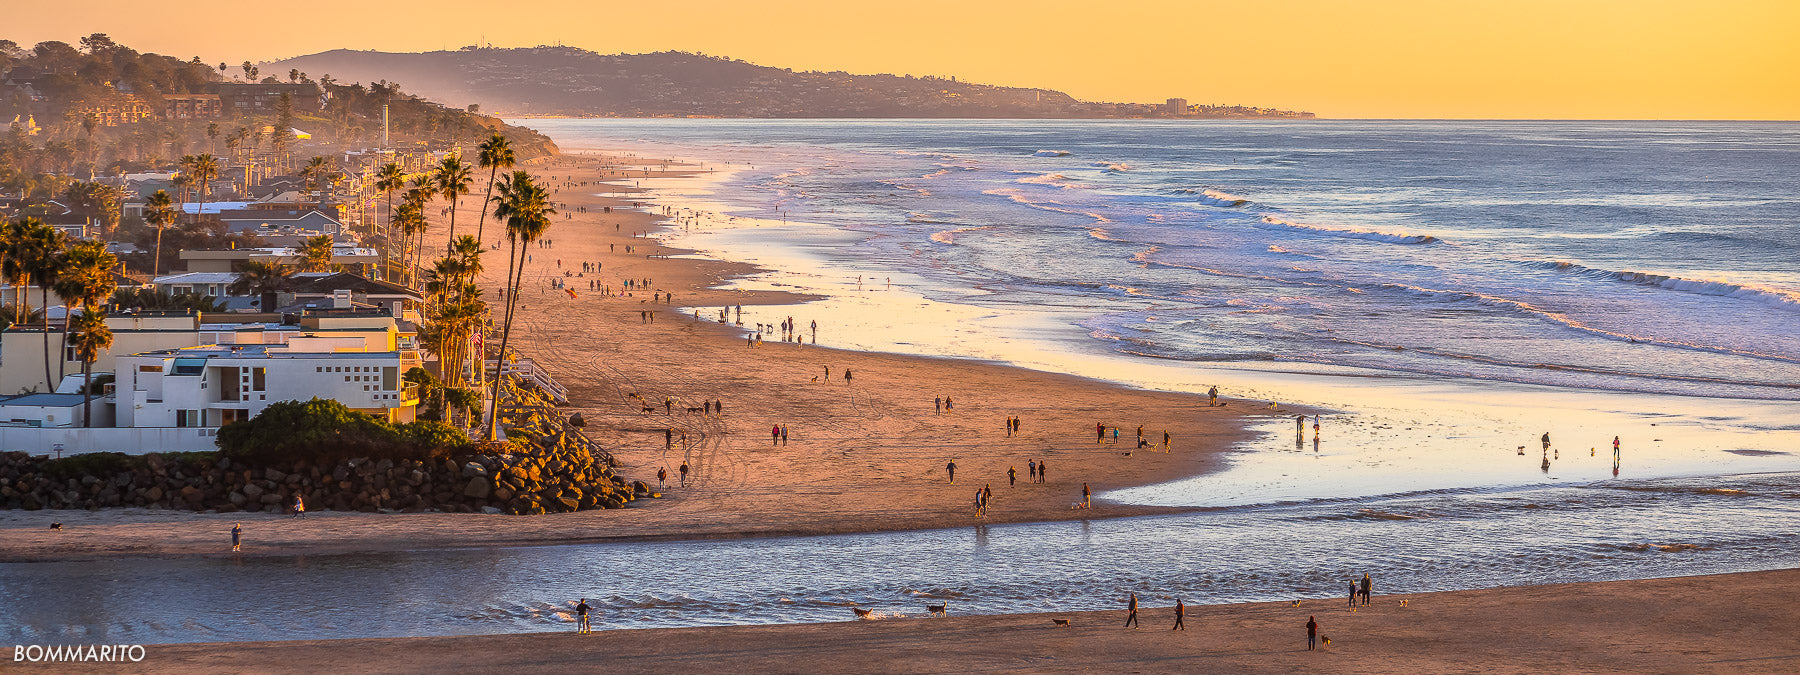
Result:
{"points": [[1180, 613], [1086, 497], [1312, 633], [1131, 618]]}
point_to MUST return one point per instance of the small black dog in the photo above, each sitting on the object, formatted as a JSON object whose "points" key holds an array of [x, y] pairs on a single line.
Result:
{"points": [[56, 526]]}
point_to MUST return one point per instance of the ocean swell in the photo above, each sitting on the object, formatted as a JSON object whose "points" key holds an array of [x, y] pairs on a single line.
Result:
{"points": [[1767, 295]]}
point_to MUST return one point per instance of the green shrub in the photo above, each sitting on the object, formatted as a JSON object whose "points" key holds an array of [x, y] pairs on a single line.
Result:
{"points": [[96, 464], [322, 430]]}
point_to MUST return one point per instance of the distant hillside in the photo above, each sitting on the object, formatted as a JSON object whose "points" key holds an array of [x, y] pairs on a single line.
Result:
{"points": [[576, 82]]}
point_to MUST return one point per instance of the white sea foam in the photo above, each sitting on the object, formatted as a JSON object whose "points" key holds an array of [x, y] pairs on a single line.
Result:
{"points": [[1369, 235], [1217, 198], [948, 237], [1051, 153], [1768, 295]]}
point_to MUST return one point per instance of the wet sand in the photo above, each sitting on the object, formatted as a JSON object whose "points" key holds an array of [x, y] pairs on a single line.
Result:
{"points": [[864, 454], [1735, 623]]}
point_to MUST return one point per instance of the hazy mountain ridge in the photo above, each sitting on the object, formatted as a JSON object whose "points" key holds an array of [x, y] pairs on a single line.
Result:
{"points": [[577, 82]]}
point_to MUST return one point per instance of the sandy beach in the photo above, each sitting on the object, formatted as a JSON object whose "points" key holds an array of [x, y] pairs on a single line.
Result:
{"points": [[864, 454], [1735, 623]]}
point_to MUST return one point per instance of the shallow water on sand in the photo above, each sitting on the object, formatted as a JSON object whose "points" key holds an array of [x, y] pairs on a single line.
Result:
{"points": [[1440, 540]]}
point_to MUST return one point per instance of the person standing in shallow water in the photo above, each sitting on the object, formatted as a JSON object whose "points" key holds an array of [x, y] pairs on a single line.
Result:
{"points": [[581, 614], [237, 533], [1086, 497]]}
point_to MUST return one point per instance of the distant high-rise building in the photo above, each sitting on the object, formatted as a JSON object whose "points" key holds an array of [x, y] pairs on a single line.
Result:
{"points": [[1177, 106]]}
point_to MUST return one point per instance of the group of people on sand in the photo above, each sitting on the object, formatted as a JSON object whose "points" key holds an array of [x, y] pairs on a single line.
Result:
{"points": [[662, 475], [1101, 430], [1131, 614]]}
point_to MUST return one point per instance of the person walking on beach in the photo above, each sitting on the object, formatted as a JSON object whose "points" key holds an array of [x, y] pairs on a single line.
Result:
{"points": [[1031, 467], [1315, 429], [1299, 428], [662, 477], [949, 405], [775, 434], [1086, 497], [237, 534], [1312, 632], [1131, 617], [951, 467], [684, 473], [1615, 447], [1546, 441], [1165, 441], [1352, 592], [1099, 432], [1012, 476], [784, 434], [581, 614], [937, 404], [1212, 397], [1041, 468], [1180, 613], [668, 438], [1365, 590], [987, 493], [846, 376], [299, 506]]}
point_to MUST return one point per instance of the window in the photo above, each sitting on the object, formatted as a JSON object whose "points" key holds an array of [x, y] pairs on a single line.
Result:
{"points": [[156, 368], [259, 379], [390, 378], [187, 418], [227, 416]]}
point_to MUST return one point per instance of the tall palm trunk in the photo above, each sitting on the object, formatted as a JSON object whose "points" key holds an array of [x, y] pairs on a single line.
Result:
{"points": [[512, 295], [156, 267], [87, 393], [450, 243], [44, 292], [486, 199]]}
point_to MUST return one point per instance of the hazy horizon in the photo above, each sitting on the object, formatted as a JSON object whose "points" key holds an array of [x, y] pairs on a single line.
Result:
{"points": [[1390, 59]]}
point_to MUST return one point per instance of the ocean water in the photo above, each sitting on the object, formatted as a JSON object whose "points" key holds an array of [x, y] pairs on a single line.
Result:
{"points": [[1632, 257], [1410, 543]]}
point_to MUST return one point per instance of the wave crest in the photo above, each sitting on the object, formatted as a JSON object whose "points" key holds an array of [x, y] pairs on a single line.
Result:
{"points": [[1767, 295], [1369, 235]]}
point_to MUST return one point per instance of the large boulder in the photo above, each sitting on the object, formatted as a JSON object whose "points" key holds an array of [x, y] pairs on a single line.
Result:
{"points": [[478, 487]]}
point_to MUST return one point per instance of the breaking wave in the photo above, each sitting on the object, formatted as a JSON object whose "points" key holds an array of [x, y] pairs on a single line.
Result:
{"points": [[1051, 153], [1369, 235], [1767, 295], [1216, 198]]}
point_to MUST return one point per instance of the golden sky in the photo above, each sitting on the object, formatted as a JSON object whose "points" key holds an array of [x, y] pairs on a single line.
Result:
{"points": [[1655, 59]]}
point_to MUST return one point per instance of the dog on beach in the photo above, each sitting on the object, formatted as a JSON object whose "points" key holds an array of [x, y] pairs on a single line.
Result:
{"points": [[939, 610], [862, 613], [1402, 603], [56, 526], [649, 409], [695, 411], [1325, 640], [1296, 603], [1060, 623]]}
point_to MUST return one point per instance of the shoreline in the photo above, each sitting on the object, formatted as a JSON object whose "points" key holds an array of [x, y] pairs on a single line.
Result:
{"points": [[866, 457], [1714, 623]]}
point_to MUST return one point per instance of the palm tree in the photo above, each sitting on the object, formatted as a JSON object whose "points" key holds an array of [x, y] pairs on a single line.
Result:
{"points": [[85, 278], [20, 242], [42, 257], [496, 154], [315, 254], [206, 168], [389, 179], [159, 210], [452, 181], [406, 220], [527, 211], [314, 170], [88, 334], [424, 188], [262, 277]]}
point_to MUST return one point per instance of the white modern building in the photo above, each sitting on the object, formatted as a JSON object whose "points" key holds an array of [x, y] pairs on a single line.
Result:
{"points": [[214, 385]]}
